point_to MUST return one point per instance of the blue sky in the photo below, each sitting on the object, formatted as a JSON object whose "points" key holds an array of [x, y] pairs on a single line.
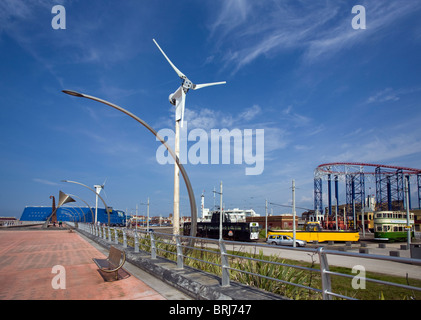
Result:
{"points": [[322, 92]]}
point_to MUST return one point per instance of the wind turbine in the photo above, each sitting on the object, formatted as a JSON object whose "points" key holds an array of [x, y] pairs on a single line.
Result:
{"points": [[178, 99], [98, 189]]}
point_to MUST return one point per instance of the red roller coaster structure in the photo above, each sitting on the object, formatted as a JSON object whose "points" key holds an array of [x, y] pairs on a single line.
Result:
{"points": [[389, 181]]}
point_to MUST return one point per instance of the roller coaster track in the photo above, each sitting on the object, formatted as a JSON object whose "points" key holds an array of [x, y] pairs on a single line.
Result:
{"points": [[344, 168]]}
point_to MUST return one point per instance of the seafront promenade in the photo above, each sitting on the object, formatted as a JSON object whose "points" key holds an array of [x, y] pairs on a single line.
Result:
{"points": [[27, 259]]}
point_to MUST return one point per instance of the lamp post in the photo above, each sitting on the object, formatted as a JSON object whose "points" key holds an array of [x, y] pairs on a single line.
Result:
{"points": [[266, 220], [293, 214], [170, 151], [408, 220], [147, 215], [83, 185], [220, 212]]}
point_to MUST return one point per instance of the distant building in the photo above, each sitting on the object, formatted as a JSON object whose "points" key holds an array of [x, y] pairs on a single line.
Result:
{"points": [[283, 221], [235, 215], [5, 220]]}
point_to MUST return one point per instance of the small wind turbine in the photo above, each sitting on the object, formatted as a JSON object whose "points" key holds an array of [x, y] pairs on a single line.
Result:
{"points": [[178, 99], [98, 189]]}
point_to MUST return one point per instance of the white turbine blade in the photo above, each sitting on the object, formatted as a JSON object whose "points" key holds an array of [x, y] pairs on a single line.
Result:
{"points": [[179, 73], [199, 86], [105, 194]]}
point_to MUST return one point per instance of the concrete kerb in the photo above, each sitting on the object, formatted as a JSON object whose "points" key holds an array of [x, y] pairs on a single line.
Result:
{"points": [[197, 284]]}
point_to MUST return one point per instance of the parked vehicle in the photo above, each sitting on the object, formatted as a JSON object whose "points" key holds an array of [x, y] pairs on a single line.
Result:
{"points": [[284, 240]]}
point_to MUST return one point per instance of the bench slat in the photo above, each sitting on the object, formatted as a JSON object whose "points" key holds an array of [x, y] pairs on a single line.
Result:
{"points": [[115, 260]]}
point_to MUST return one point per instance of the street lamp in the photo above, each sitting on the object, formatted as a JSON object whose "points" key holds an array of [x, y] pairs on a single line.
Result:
{"points": [[83, 185], [147, 215], [220, 212], [170, 151]]}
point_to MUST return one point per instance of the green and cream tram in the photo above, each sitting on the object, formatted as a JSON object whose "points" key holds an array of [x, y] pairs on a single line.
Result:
{"points": [[392, 225]]}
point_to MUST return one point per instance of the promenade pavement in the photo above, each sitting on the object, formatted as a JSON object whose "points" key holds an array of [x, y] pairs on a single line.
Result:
{"points": [[27, 259]]}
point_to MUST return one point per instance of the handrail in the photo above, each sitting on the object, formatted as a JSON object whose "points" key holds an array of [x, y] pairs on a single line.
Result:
{"points": [[183, 251]]}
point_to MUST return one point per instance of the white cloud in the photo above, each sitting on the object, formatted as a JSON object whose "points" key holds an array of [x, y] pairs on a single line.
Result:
{"points": [[383, 96], [378, 148], [250, 113], [391, 95], [207, 119], [294, 118]]}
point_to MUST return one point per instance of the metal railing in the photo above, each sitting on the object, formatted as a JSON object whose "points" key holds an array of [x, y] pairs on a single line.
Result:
{"points": [[181, 249]]}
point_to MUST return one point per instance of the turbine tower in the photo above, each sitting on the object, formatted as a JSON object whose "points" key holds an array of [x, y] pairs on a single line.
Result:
{"points": [[98, 189], [178, 99]]}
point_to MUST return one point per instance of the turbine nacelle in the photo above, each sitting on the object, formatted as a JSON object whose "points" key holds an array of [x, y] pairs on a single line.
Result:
{"points": [[187, 85], [99, 187], [171, 99]]}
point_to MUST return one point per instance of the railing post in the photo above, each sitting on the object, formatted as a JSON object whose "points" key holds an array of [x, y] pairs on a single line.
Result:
{"points": [[224, 265], [153, 247], [136, 242], [104, 233], [115, 236], [109, 234], [180, 262], [124, 239], [326, 281]]}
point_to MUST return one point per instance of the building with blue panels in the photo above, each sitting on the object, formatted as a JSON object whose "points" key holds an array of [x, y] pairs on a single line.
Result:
{"points": [[78, 214]]}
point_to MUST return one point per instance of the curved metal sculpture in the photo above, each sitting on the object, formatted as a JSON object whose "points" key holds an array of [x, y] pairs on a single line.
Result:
{"points": [[105, 205], [63, 198], [92, 213], [155, 133], [54, 213]]}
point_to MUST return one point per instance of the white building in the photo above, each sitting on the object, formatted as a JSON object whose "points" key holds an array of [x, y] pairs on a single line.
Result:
{"points": [[236, 214]]}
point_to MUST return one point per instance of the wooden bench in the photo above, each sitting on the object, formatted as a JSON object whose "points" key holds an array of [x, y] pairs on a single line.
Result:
{"points": [[115, 260]]}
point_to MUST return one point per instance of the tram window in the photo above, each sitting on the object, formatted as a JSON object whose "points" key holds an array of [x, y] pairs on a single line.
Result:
{"points": [[395, 228]]}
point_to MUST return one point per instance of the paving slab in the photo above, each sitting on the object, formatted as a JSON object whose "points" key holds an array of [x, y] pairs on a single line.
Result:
{"points": [[27, 259]]}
